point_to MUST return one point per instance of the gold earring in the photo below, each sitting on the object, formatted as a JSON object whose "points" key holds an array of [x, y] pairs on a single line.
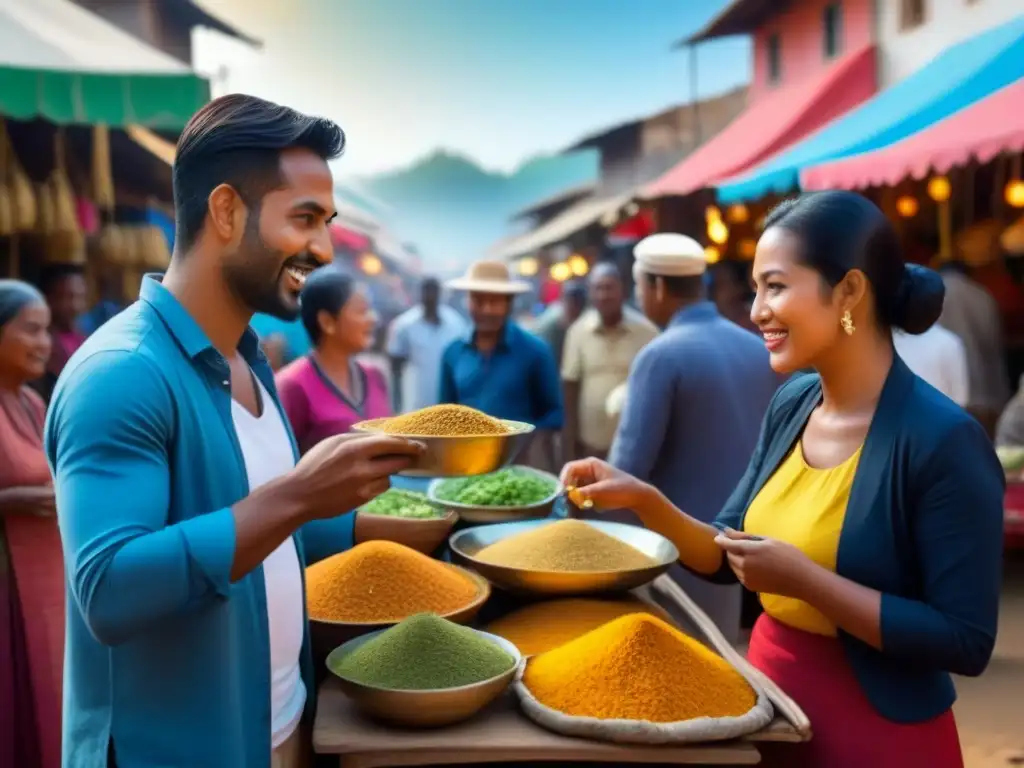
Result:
{"points": [[847, 322]]}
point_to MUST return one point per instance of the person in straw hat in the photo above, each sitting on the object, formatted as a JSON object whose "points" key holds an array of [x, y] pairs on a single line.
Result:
{"points": [[697, 395], [498, 367]]}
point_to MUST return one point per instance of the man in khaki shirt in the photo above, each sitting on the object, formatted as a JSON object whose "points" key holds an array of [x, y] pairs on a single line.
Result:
{"points": [[599, 350]]}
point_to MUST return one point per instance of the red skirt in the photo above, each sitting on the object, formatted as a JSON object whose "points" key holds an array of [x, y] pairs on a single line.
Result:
{"points": [[848, 731]]}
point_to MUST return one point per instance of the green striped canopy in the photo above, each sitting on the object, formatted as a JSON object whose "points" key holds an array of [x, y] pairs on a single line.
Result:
{"points": [[60, 62]]}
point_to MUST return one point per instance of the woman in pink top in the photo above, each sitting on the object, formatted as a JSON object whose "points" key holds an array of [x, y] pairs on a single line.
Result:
{"points": [[31, 564], [327, 391]]}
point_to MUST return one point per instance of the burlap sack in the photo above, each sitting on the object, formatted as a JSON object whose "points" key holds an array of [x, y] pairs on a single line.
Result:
{"points": [[643, 731]]}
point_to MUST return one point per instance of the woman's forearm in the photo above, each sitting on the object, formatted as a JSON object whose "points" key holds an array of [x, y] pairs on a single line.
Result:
{"points": [[852, 607], [694, 540], [25, 500]]}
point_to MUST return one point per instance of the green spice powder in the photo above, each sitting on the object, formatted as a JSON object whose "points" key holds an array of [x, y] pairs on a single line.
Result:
{"points": [[424, 652]]}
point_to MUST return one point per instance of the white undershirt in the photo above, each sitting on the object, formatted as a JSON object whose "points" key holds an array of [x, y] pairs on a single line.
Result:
{"points": [[267, 451]]}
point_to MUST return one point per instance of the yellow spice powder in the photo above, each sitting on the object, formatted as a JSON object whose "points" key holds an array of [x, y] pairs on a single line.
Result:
{"points": [[539, 627], [566, 545], [444, 420], [638, 667]]}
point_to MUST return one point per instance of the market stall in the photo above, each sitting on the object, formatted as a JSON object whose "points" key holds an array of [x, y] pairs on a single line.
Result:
{"points": [[502, 734], [535, 639]]}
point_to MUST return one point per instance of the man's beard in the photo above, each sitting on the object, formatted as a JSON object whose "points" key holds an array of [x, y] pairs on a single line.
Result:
{"points": [[254, 275]]}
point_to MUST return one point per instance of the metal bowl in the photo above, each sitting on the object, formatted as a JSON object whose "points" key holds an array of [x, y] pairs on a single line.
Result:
{"points": [[424, 534], [462, 456], [500, 514], [426, 708], [465, 544], [326, 635]]}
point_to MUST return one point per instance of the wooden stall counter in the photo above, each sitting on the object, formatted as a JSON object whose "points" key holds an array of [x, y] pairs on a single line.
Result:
{"points": [[502, 734]]}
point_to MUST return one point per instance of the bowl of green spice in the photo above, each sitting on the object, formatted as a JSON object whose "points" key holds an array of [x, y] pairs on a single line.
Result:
{"points": [[425, 671], [513, 493], [410, 518]]}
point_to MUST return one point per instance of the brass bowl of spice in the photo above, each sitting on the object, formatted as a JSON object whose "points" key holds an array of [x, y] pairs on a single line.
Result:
{"points": [[563, 558], [425, 671], [377, 584], [460, 441]]}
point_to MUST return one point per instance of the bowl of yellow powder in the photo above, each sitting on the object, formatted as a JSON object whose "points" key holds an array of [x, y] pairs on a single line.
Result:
{"points": [[563, 557], [460, 441], [377, 584]]}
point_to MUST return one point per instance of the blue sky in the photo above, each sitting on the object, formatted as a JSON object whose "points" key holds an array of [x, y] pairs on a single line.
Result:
{"points": [[498, 80]]}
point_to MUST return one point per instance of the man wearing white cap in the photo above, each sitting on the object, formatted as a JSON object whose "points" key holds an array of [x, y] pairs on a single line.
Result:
{"points": [[697, 395], [497, 367]]}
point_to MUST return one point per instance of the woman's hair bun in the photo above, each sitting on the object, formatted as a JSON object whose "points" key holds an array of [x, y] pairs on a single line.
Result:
{"points": [[920, 298]]}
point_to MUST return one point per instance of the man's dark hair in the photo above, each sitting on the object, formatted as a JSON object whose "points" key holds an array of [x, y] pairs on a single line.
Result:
{"points": [[238, 140], [53, 274], [688, 288]]}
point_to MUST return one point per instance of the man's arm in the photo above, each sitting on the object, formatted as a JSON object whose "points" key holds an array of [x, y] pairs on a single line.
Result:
{"points": [[107, 439], [548, 390], [645, 419], [572, 370], [398, 352]]}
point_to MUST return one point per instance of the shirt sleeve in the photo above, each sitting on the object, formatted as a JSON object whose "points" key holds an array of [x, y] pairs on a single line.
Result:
{"points": [[646, 416], [548, 386], [295, 403], [107, 439], [957, 528], [398, 338], [572, 361], [447, 391]]}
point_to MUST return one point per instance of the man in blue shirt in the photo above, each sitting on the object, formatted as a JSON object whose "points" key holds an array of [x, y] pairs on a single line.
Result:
{"points": [[695, 399], [498, 367], [179, 493]]}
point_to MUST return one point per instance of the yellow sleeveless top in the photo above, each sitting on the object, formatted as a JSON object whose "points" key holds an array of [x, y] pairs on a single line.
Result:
{"points": [[805, 507]]}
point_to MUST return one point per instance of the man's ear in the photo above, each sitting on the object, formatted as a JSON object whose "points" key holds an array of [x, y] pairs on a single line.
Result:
{"points": [[226, 213]]}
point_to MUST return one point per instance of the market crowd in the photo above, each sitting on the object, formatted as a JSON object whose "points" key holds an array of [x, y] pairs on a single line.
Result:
{"points": [[804, 439]]}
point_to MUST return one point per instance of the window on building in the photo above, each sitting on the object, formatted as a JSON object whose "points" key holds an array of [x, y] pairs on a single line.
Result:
{"points": [[912, 13], [774, 50], [832, 28]]}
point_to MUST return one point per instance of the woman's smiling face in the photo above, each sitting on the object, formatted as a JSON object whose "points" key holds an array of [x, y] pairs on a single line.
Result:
{"points": [[794, 309]]}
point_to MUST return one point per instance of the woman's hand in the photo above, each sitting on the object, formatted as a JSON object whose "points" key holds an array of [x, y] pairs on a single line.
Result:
{"points": [[604, 486], [766, 565]]}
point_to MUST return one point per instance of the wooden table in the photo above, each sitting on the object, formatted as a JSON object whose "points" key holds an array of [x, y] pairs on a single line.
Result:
{"points": [[502, 734]]}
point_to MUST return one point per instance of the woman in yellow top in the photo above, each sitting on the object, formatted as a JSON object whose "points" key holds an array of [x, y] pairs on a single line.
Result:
{"points": [[870, 517]]}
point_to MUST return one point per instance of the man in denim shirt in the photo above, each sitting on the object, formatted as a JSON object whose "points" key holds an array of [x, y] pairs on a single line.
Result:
{"points": [[178, 493]]}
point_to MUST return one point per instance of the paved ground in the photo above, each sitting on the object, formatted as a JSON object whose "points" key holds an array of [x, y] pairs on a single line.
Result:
{"points": [[990, 710]]}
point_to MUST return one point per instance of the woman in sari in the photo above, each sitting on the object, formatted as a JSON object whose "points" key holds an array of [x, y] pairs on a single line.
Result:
{"points": [[31, 565]]}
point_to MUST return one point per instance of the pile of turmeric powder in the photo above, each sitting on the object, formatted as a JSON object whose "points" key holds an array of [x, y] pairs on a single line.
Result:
{"points": [[381, 581], [638, 667], [539, 627], [445, 420]]}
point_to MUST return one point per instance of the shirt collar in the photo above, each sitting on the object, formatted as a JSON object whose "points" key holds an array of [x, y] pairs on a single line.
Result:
{"points": [[697, 312], [183, 326], [504, 341]]}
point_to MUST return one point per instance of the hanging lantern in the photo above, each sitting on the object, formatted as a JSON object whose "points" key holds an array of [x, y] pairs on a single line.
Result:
{"points": [[560, 272], [711, 213], [747, 247], [738, 214], [578, 265], [370, 264], [528, 267], [1014, 194], [712, 254], [939, 189], [907, 206], [718, 233]]}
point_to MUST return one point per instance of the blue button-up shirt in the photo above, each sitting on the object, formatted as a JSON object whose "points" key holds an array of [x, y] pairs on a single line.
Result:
{"points": [[517, 380], [166, 658]]}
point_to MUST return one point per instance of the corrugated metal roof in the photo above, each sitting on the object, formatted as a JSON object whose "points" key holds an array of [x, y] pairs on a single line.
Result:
{"points": [[561, 227]]}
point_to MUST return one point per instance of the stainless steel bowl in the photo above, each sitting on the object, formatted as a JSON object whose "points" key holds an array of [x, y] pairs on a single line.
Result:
{"points": [[429, 708], [465, 544], [499, 514], [463, 456]]}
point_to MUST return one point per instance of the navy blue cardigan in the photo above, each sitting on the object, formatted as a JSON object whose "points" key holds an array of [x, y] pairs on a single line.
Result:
{"points": [[924, 526]]}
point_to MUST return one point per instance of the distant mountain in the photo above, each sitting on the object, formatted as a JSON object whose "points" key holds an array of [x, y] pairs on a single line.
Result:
{"points": [[453, 210]]}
